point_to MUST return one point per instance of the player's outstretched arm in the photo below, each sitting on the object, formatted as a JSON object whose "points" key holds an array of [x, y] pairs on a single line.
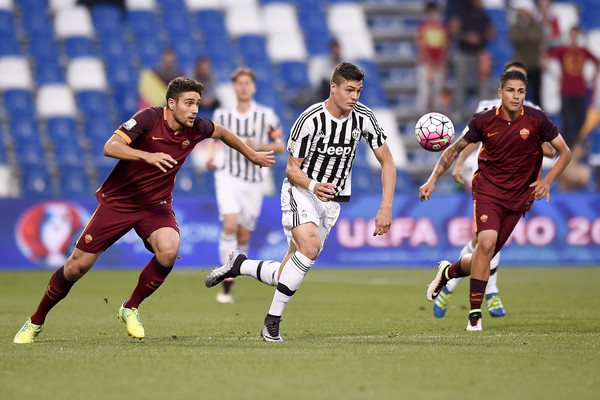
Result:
{"points": [[541, 188], [262, 158], [383, 219], [117, 147], [441, 166]]}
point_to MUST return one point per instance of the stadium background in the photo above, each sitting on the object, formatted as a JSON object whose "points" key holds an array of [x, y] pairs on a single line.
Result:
{"points": [[69, 75]]}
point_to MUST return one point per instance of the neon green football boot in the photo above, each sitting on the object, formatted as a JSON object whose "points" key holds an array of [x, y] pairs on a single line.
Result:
{"points": [[131, 317], [28, 332]]}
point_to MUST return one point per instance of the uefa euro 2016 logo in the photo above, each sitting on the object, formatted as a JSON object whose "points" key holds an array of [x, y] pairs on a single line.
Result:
{"points": [[46, 232]]}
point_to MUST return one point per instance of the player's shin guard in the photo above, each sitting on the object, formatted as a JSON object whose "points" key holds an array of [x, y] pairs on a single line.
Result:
{"points": [[57, 289], [291, 277], [265, 271], [151, 277]]}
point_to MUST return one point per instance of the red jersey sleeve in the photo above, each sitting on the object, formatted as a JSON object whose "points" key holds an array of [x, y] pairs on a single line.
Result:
{"points": [[139, 124]]}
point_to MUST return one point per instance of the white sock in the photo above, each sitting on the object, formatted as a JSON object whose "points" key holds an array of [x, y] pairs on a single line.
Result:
{"points": [[492, 285], [291, 277], [265, 271], [243, 248], [227, 244], [453, 283]]}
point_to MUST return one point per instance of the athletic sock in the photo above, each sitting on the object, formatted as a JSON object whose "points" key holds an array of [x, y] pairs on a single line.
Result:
{"points": [[266, 271], [57, 289], [452, 284], [492, 284], [476, 293], [467, 249], [455, 271], [227, 285], [291, 277], [151, 277], [227, 244]]}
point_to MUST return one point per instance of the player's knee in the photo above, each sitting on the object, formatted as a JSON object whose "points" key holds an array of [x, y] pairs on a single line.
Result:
{"points": [[166, 255]]}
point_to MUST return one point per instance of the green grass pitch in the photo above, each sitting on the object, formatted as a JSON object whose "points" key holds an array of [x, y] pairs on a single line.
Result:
{"points": [[349, 334]]}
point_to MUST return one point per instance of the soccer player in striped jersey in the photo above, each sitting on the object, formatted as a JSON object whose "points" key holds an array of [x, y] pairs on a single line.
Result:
{"points": [[150, 147], [238, 182], [468, 157], [507, 182], [322, 146]]}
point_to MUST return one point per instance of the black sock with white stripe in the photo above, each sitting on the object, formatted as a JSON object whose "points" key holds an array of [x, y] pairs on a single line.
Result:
{"points": [[291, 278]]}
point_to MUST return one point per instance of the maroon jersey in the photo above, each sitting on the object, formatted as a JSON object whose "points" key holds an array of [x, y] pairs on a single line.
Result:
{"points": [[511, 156], [135, 185]]}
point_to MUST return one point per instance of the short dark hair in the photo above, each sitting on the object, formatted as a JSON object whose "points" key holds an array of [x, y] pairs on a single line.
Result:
{"points": [[243, 71], [514, 64], [431, 6], [181, 85], [510, 75], [347, 71]]}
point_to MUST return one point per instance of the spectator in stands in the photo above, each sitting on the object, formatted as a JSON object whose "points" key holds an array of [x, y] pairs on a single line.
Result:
{"points": [[433, 41], [167, 70], [472, 29], [573, 89], [203, 73], [552, 35], [527, 37]]}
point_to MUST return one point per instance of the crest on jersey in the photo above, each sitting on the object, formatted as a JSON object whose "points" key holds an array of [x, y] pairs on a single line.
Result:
{"points": [[130, 124], [88, 238], [483, 218], [355, 133], [524, 133], [185, 143]]}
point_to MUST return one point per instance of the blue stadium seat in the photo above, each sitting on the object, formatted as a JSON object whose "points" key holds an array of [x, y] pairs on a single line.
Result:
{"points": [[30, 154], [120, 72], [79, 46], [49, 71], [98, 129], [93, 102], [102, 173], [9, 46], [108, 19], [142, 22], [210, 22], [187, 51], [114, 48], [149, 50], [69, 154], [262, 69], [36, 20], [176, 22], [43, 48], [74, 183], [62, 130], [36, 183], [317, 43], [252, 47], [7, 23], [172, 5], [126, 101], [294, 75], [18, 102], [24, 130], [97, 157]]}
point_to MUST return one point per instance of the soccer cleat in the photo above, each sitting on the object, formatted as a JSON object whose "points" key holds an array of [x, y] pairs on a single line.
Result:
{"points": [[494, 305], [221, 273], [474, 324], [441, 303], [131, 317], [28, 332], [439, 282], [270, 329], [224, 298]]}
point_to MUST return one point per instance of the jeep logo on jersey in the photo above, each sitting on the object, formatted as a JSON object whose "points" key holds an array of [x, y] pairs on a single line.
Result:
{"points": [[339, 150], [524, 133], [355, 133]]}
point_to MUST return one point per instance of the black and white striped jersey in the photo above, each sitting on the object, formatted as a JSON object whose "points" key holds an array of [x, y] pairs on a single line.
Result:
{"points": [[259, 123], [328, 145]]}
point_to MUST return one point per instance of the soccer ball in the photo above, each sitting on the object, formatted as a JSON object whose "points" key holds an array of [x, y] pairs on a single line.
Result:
{"points": [[434, 131]]}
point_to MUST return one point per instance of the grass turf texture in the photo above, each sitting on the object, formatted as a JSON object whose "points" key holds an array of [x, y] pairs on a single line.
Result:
{"points": [[349, 334]]}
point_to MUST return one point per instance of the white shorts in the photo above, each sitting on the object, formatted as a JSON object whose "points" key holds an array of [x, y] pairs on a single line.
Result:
{"points": [[299, 206], [236, 196]]}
